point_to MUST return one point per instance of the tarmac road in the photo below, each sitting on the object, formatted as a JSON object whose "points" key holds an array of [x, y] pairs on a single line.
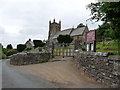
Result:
{"points": [[11, 78]]}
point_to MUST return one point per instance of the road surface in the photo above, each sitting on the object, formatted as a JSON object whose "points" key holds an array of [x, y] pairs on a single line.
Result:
{"points": [[58, 74], [14, 79]]}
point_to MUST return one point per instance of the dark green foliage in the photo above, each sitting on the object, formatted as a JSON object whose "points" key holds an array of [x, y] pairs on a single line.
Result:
{"points": [[43, 61], [9, 46], [38, 43], [104, 31], [4, 56], [80, 25], [4, 50], [64, 39], [108, 12], [21, 47], [11, 52], [28, 49], [60, 38]]}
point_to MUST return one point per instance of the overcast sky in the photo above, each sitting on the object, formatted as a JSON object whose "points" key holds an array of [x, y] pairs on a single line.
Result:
{"points": [[24, 19]]}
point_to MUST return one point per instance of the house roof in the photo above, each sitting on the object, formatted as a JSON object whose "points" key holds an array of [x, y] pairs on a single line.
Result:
{"points": [[70, 31], [30, 42]]}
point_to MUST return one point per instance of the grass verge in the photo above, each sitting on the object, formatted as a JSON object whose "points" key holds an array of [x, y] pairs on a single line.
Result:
{"points": [[108, 46]]}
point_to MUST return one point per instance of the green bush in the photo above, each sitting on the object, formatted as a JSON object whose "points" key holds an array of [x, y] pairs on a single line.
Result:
{"points": [[43, 61], [43, 50], [64, 39], [11, 52], [21, 47], [4, 50], [4, 56], [38, 43], [27, 49]]}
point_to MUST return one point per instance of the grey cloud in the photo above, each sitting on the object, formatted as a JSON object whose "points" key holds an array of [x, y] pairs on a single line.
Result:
{"points": [[1, 34], [33, 31], [2, 30], [31, 17]]}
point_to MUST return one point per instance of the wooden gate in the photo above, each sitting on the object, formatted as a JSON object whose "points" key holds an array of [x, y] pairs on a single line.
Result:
{"points": [[61, 50], [64, 51]]}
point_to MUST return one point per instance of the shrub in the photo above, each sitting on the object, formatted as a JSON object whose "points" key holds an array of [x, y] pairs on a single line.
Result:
{"points": [[38, 43], [4, 50], [28, 49], [4, 56], [43, 61], [21, 47], [11, 52], [43, 50], [64, 39]]}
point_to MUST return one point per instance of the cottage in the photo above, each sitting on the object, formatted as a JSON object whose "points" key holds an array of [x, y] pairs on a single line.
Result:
{"points": [[29, 44]]}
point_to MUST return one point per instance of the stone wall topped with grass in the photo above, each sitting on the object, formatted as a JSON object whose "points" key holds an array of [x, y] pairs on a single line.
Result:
{"points": [[29, 58], [100, 66]]}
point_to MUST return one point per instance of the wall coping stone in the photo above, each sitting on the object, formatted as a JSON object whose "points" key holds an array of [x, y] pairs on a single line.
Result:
{"points": [[104, 54], [114, 57]]}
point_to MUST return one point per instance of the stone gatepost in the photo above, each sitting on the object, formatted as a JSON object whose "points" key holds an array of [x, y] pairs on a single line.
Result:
{"points": [[77, 44]]}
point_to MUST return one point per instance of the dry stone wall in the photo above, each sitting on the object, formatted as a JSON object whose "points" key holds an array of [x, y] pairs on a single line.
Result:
{"points": [[102, 67], [28, 58]]}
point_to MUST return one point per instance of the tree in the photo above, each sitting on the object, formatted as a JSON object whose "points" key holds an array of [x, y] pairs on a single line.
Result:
{"points": [[21, 47], [108, 12], [11, 52], [38, 43], [104, 31], [9, 46], [80, 25], [64, 39]]}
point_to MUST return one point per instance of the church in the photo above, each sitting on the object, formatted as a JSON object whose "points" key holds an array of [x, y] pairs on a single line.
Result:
{"points": [[78, 33]]}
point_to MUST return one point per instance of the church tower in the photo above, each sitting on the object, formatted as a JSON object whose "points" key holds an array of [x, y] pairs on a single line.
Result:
{"points": [[54, 28]]}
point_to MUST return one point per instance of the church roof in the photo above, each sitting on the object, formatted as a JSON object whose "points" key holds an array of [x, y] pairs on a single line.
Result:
{"points": [[77, 31], [63, 32], [70, 31]]}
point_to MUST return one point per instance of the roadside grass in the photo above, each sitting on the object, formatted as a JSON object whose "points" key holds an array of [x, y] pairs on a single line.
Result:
{"points": [[43, 61], [108, 46]]}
